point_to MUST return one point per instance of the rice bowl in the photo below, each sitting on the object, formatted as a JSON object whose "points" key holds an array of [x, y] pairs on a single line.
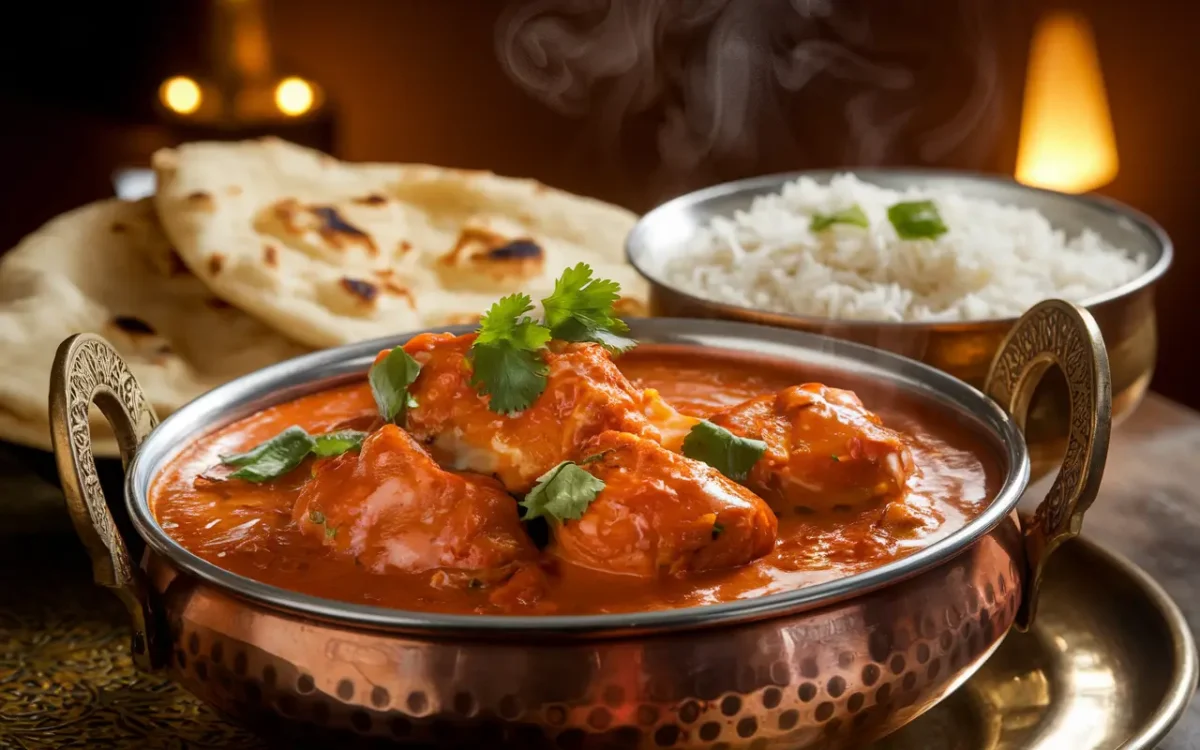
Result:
{"points": [[787, 252]]}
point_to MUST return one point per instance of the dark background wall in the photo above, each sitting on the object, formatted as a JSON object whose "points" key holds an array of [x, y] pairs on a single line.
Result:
{"points": [[930, 82]]}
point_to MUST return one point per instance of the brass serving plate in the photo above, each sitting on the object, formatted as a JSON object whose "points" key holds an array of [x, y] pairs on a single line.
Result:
{"points": [[68, 680], [966, 349], [1110, 663]]}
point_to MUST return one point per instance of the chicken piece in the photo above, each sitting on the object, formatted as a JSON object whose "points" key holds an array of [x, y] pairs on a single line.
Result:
{"points": [[661, 513], [824, 449], [585, 395], [393, 508]]}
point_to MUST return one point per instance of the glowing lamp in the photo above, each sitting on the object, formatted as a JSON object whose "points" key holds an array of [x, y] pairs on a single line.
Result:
{"points": [[294, 96], [180, 94], [1067, 142]]}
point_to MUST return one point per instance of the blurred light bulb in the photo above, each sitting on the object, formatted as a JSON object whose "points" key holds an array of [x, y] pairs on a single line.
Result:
{"points": [[294, 96], [1067, 142], [180, 94]]}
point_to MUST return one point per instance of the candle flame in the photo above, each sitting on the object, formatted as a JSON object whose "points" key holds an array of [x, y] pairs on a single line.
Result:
{"points": [[1067, 142]]}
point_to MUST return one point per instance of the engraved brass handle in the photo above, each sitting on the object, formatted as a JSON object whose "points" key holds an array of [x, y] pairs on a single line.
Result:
{"points": [[1057, 333], [87, 369]]}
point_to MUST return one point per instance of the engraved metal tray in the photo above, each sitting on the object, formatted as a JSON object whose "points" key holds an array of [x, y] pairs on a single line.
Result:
{"points": [[1110, 663]]}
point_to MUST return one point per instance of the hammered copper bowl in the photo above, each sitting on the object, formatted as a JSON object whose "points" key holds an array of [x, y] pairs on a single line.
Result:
{"points": [[832, 665], [965, 350]]}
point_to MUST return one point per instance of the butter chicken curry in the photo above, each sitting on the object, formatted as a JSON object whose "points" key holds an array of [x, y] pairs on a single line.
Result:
{"points": [[548, 467]]}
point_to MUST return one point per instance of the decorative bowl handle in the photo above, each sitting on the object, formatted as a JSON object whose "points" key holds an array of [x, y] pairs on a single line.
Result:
{"points": [[1057, 333], [87, 369]]}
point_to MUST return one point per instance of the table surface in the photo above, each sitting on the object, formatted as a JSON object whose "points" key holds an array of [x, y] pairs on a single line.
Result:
{"points": [[1148, 510]]}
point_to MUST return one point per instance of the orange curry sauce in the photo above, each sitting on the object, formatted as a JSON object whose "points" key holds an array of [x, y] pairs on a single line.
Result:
{"points": [[248, 529]]}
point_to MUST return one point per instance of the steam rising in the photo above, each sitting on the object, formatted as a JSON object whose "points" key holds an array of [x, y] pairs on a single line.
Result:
{"points": [[719, 74]]}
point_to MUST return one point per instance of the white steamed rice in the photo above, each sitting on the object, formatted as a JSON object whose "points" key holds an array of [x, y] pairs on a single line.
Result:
{"points": [[994, 261]]}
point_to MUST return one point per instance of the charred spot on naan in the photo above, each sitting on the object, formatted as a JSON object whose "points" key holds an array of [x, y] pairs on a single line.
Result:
{"points": [[365, 291], [133, 325], [357, 297], [134, 336], [373, 199], [484, 257], [316, 228], [201, 201], [216, 262], [270, 255]]}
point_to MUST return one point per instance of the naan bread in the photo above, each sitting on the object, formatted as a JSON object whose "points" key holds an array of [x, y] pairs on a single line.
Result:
{"points": [[107, 268], [330, 252]]}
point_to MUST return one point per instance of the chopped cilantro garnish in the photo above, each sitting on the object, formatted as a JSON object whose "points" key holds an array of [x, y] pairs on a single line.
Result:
{"points": [[337, 443], [718, 529], [390, 378], [854, 216], [317, 517], [581, 309], [506, 358], [507, 364], [563, 493], [729, 454], [917, 220], [273, 458]]}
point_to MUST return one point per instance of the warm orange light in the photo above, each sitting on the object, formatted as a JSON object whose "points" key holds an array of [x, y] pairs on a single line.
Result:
{"points": [[1067, 141], [180, 94], [294, 96]]}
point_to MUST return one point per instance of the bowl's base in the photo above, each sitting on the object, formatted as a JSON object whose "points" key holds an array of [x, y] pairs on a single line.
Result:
{"points": [[1102, 661]]}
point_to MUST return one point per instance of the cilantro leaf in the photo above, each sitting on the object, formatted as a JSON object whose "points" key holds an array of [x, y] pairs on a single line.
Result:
{"points": [[273, 458], [581, 309], [917, 220], [511, 378], [337, 443], [390, 378], [506, 359], [563, 493], [729, 454], [854, 216]]}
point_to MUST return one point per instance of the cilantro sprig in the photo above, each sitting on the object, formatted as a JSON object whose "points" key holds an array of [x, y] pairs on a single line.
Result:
{"points": [[729, 454], [273, 458], [562, 494], [581, 309], [506, 359], [507, 364]]}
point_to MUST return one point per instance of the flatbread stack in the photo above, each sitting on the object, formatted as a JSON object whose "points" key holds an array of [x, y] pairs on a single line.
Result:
{"points": [[254, 252]]}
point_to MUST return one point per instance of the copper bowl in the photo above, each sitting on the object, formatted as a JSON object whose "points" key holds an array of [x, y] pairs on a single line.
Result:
{"points": [[831, 665], [963, 349]]}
